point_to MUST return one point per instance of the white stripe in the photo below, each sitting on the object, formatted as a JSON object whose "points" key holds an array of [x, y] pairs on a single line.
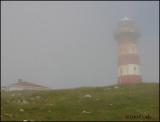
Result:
{"points": [[129, 69], [128, 49]]}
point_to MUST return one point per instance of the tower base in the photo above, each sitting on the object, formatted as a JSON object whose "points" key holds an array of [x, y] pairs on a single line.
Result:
{"points": [[129, 79]]}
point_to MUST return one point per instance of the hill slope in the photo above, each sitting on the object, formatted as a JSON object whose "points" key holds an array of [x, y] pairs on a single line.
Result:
{"points": [[132, 102]]}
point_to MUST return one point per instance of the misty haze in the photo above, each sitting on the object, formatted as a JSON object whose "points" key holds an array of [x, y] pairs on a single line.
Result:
{"points": [[92, 51]]}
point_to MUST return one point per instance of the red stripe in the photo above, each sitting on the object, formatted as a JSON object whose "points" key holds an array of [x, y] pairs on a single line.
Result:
{"points": [[128, 59], [129, 79]]}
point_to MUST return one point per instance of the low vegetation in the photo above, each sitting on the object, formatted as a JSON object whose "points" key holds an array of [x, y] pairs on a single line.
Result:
{"points": [[117, 102]]}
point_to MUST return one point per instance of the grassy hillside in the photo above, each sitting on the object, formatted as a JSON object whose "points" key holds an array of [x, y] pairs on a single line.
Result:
{"points": [[132, 102]]}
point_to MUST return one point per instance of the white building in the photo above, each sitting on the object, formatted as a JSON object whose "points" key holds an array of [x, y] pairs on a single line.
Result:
{"points": [[24, 85]]}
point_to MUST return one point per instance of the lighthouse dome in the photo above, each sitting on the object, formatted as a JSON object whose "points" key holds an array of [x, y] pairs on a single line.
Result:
{"points": [[126, 28], [125, 18]]}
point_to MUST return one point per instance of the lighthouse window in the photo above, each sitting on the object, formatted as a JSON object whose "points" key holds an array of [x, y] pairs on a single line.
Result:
{"points": [[125, 50], [120, 71], [134, 68], [133, 49], [121, 50]]}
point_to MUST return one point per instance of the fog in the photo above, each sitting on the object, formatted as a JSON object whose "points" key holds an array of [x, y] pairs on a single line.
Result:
{"points": [[71, 44]]}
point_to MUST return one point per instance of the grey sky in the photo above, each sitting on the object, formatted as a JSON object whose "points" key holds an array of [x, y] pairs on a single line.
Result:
{"points": [[70, 44]]}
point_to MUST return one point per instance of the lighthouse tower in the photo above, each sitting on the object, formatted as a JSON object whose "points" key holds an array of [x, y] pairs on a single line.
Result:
{"points": [[128, 59]]}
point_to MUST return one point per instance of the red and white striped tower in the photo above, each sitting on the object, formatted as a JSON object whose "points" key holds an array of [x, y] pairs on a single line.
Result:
{"points": [[128, 58]]}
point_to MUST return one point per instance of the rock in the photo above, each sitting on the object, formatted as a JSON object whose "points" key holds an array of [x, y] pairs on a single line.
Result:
{"points": [[97, 99], [19, 94], [12, 95], [50, 104], [49, 111], [21, 101], [21, 110], [9, 115], [85, 112], [32, 98], [37, 97], [107, 89], [110, 104], [87, 96], [116, 87], [25, 102]]}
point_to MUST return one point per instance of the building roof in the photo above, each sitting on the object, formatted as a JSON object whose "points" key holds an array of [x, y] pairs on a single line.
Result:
{"points": [[27, 84]]}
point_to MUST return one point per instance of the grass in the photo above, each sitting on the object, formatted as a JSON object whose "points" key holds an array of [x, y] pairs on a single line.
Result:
{"points": [[127, 102]]}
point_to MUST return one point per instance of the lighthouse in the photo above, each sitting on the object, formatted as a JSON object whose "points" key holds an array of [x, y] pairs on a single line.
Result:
{"points": [[127, 36]]}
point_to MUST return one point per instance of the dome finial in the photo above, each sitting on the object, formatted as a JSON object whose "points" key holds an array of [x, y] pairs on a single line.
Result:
{"points": [[125, 18]]}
